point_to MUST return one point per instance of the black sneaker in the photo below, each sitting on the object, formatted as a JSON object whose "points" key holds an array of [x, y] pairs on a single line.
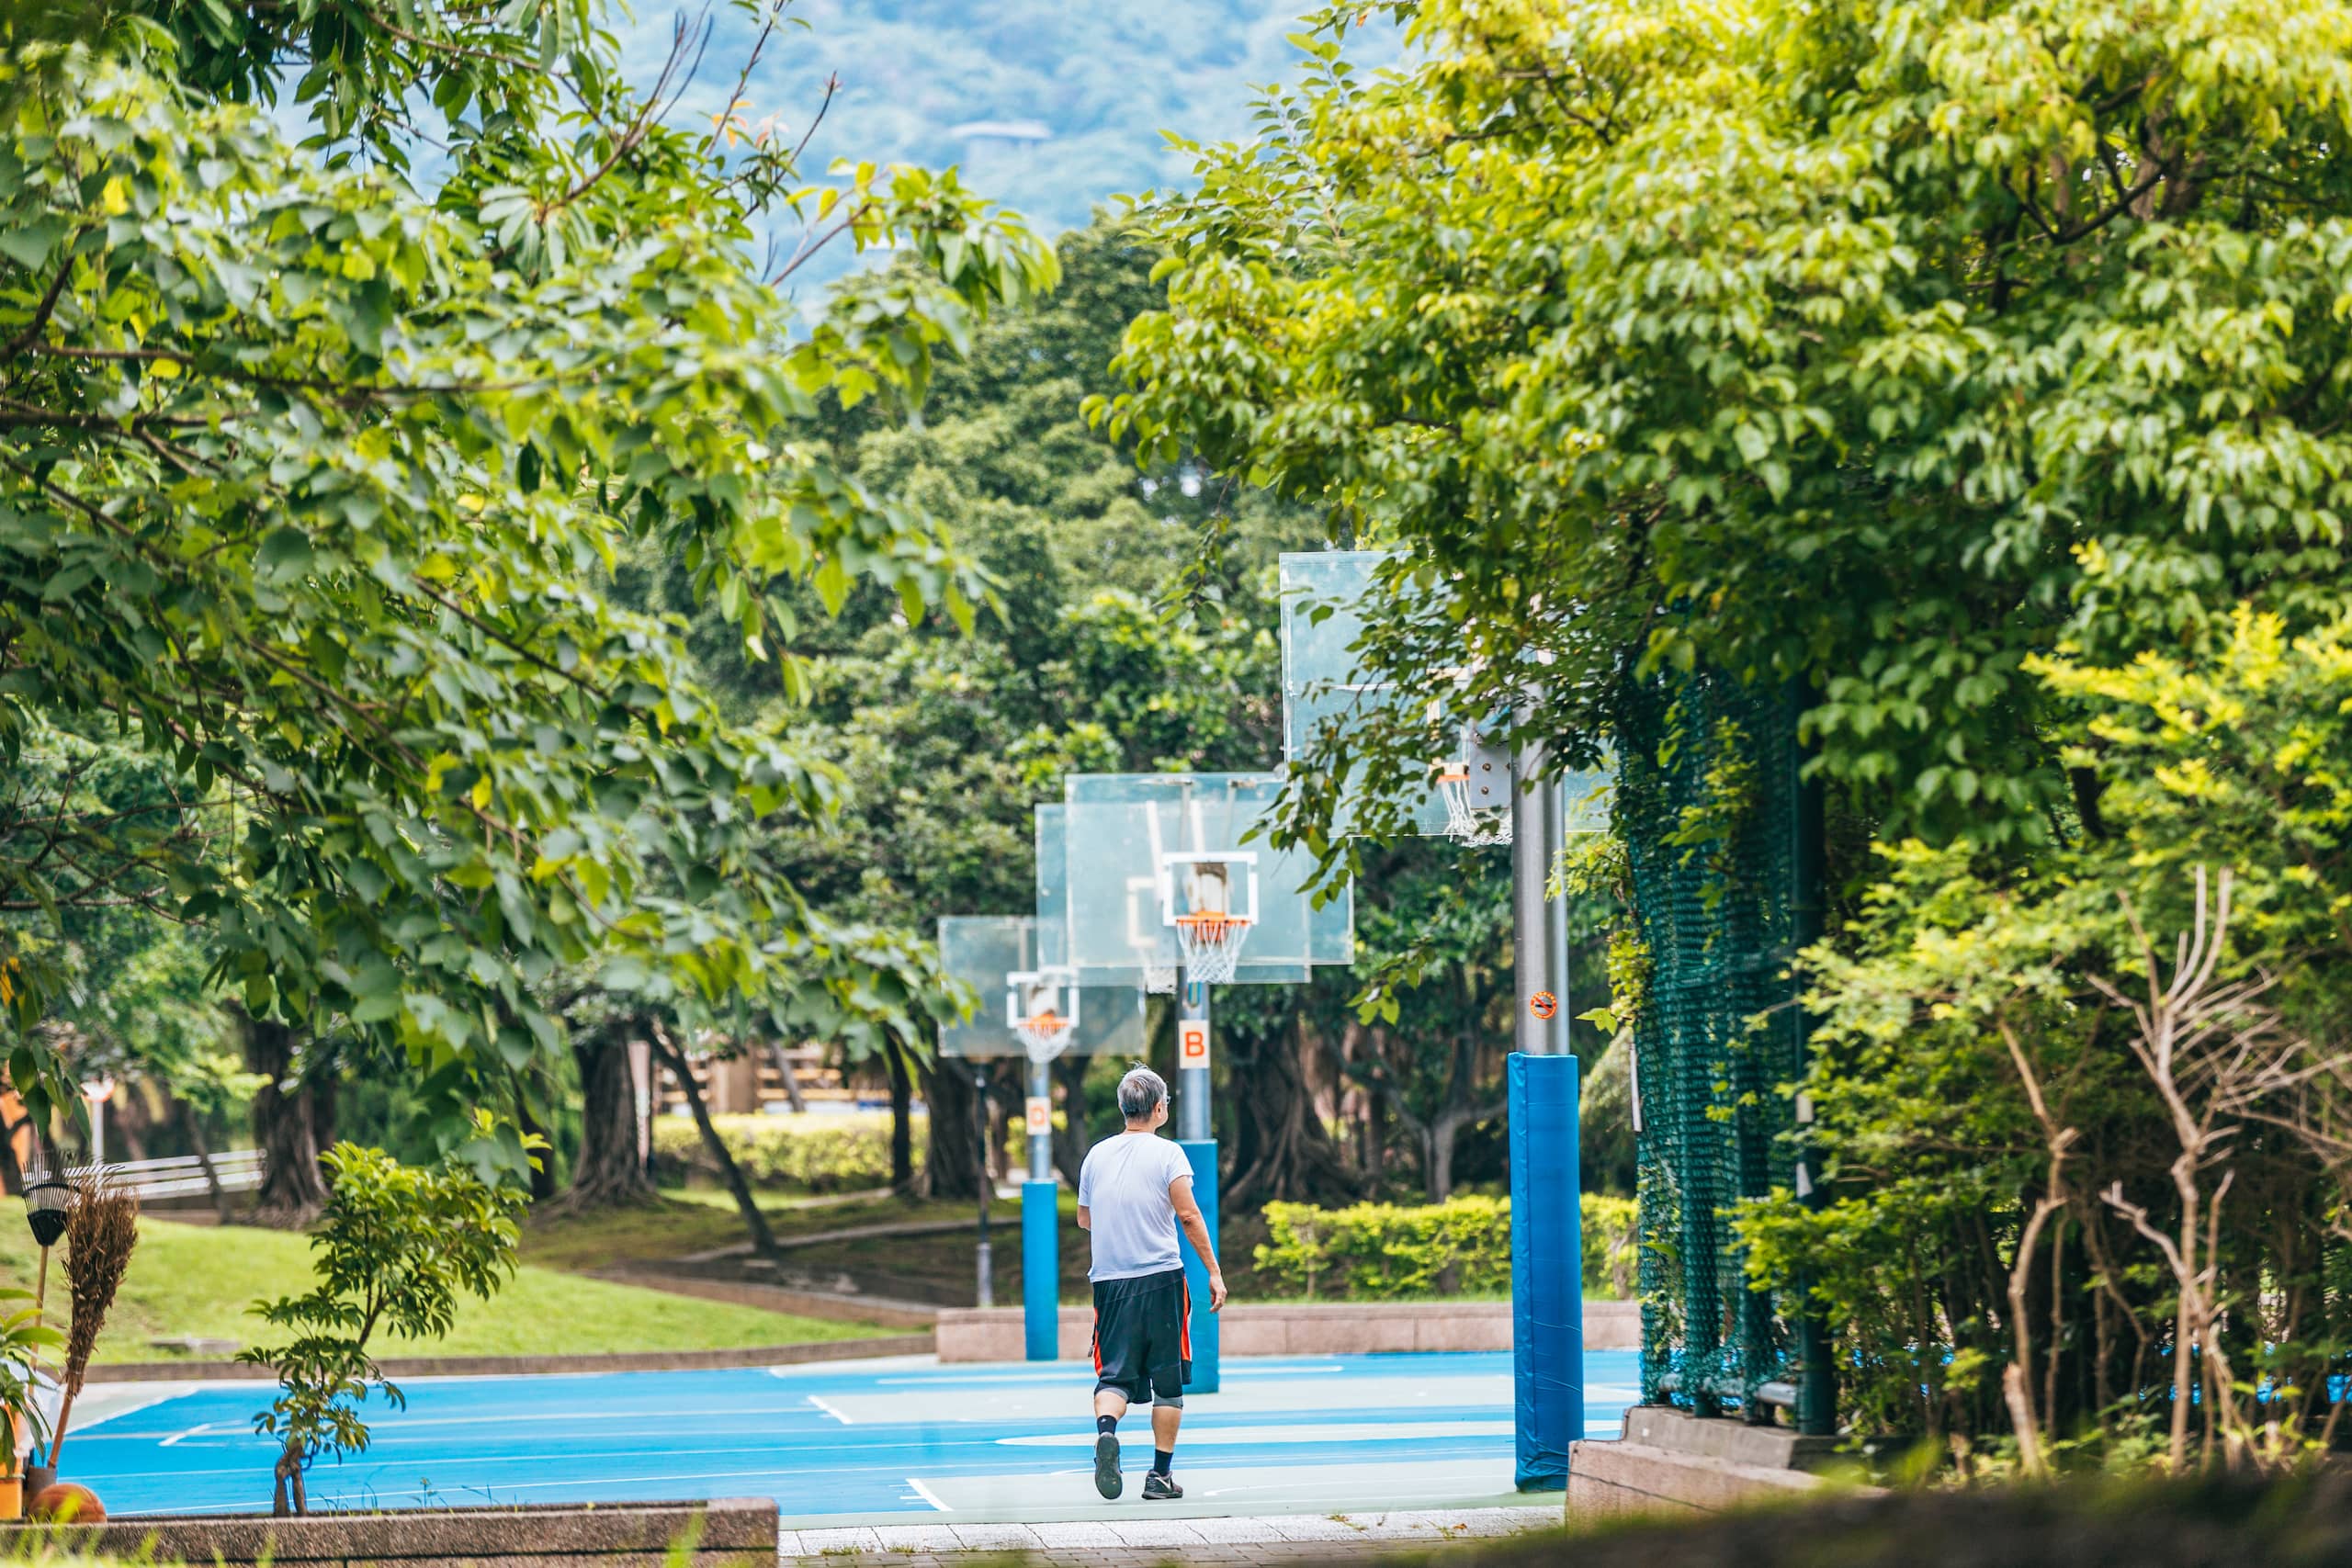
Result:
{"points": [[1106, 1467], [1158, 1488]]}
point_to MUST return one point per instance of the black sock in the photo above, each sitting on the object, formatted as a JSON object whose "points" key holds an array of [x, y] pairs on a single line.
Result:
{"points": [[1106, 1424], [1161, 1458]]}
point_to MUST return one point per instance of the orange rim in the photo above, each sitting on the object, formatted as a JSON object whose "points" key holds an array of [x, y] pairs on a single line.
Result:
{"points": [[1211, 927]]}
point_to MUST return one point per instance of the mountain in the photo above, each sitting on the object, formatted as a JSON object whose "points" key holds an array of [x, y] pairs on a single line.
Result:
{"points": [[1050, 106]]}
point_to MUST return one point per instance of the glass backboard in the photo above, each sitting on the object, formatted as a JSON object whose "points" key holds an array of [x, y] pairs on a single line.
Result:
{"points": [[1323, 684], [982, 950], [1144, 848], [1322, 611], [1150, 960]]}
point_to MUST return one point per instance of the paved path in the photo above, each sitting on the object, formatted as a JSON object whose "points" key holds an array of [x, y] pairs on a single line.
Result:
{"points": [[889, 1442], [884, 1229]]}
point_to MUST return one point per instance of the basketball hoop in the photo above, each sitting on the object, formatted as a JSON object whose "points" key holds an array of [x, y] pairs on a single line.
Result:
{"points": [[1212, 946], [1475, 785], [1472, 826], [1032, 1009], [1159, 978], [1044, 1035]]}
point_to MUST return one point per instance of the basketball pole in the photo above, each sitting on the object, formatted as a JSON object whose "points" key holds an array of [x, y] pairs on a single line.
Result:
{"points": [[1546, 1217], [987, 1291], [1195, 1137], [1040, 1224]]}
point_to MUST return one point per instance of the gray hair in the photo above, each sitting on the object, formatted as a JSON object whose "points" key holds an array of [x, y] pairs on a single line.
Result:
{"points": [[1141, 1092]]}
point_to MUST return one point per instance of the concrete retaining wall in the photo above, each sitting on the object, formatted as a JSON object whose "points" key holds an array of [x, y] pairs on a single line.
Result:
{"points": [[1299, 1328], [732, 1530], [1673, 1462]]}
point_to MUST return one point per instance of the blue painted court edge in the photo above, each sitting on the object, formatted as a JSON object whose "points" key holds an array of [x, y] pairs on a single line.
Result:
{"points": [[900, 1441]]}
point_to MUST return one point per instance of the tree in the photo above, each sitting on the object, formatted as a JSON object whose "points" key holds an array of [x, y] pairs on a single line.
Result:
{"points": [[309, 482], [394, 1248], [1791, 342], [1976, 374], [1106, 648]]}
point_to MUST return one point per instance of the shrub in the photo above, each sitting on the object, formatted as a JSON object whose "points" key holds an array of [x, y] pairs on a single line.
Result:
{"points": [[1387, 1252], [811, 1154]]}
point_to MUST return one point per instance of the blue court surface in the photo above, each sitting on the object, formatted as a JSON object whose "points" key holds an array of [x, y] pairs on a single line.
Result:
{"points": [[899, 1441]]}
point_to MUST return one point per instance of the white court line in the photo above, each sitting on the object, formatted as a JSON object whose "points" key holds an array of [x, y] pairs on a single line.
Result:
{"points": [[201, 1429], [928, 1495], [1236, 1372], [1297, 1434], [403, 1422], [831, 1411], [1049, 1370]]}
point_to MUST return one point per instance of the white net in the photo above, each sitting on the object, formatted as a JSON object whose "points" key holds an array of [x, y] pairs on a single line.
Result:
{"points": [[1473, 826], [1212, 946], [1159, 978], [1044, 1035]]}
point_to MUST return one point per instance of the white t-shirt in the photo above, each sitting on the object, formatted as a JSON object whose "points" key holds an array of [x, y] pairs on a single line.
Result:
{"points": [[1123, 1186]]}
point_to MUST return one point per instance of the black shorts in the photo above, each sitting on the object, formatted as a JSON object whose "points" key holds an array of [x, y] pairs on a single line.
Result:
{"points": [[1143, 1336]]}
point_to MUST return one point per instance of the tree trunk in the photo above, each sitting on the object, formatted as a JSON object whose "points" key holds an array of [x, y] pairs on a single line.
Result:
{"points": [[902, 1139], [783, 1060], [321, 1087], [192, 1121], [610, 1171], [1437, 1162], [543, 1166], [951, 1163], [291, 1496], [286, 1126], [754, 1220], [1281, 1150], [131, 1124], [1071, 1139]]}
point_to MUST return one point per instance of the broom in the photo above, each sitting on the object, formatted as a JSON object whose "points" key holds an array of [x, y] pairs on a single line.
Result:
{"points": [[101, 1228]]}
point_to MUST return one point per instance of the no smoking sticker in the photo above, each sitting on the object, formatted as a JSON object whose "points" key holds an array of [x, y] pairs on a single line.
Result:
{"points": [[1543, 1004], [1192, 1042]]}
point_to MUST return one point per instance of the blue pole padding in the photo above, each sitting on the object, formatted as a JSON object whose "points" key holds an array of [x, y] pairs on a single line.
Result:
{"points": [[1041, 1268], [1547, 1268], [1202, 1155]]}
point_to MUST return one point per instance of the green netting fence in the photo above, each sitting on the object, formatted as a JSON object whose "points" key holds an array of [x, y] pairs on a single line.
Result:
{"points": [[1724, 854]]}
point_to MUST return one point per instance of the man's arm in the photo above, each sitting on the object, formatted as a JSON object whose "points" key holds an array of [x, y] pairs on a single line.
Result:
{"points": [[1196, 1230], [1085, 1218]]}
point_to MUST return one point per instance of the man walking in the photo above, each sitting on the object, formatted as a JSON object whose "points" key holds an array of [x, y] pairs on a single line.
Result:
{"points": [[1132, 1192]]}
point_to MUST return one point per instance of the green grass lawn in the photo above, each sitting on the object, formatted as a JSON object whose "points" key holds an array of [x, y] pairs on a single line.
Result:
{"points": [[199, 1280]]}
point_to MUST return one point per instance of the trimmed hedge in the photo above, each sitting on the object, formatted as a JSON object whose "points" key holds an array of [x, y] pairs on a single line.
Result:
{"points": [[1392, 1252], [807, 1153]]}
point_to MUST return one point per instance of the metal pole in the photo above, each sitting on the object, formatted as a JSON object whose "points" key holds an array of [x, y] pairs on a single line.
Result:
{"points": [[1041, 1247], [980, 1115], [1547, 1303], [1556, 795], [1192, 1076], [1199, 1144], [1531, 939], [1041, 1144]]}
